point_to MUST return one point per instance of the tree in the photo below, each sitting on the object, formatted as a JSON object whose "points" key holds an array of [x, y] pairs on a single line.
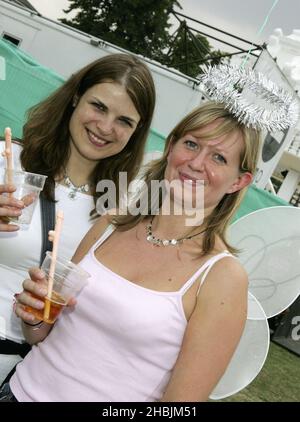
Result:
{"points": [[139, 26], [143, 27], [187, 51]]}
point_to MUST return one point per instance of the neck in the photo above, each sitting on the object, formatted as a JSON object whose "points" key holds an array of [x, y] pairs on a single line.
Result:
{"points": [[174, 226], [78, 168], [179, 226]]}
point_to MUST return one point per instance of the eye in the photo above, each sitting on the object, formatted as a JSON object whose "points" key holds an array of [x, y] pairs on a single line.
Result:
{"points": [[125, 122], [219, 158], [191, 144], [99, 106]]}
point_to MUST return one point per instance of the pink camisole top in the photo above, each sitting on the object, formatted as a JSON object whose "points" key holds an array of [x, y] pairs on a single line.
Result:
{"points": [[119, 343]]}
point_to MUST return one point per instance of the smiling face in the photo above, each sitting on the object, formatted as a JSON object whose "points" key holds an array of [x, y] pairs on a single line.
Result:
{"points": [[214, 161], [103, 121]]}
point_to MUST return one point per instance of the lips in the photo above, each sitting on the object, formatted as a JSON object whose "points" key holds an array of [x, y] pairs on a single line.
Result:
{"points": [[95, 140], [189, 179]]}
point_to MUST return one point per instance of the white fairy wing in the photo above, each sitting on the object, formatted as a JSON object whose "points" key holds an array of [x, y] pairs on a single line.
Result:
{"points": [[270, 242], [250, 354]]}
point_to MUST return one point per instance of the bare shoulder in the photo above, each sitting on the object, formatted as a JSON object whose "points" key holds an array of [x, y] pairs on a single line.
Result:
{"points": [[228, 268], [91, 237], [226, 282]]}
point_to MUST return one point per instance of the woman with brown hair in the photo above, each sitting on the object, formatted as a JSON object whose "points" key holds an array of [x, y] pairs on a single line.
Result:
{"points": [[167, 302], [92, 128]]}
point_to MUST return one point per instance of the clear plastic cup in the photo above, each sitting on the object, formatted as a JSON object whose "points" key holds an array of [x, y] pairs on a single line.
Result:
{"points": [[69, 279], [28, 188]]}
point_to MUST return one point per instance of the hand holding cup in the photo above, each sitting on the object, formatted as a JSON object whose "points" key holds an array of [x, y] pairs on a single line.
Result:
{"points": [[30, 302], [18, 187], [10, 207]]}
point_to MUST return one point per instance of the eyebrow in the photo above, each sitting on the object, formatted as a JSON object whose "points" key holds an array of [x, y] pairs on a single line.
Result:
{"points": [[104, 105], [199, 139], [220, 149]]}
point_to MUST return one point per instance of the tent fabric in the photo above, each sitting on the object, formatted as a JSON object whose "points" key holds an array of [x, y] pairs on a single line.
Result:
{"points": [[256, 199], [26, 84], [156, 141]]}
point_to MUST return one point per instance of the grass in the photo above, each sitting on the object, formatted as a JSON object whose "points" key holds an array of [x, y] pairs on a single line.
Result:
{"points": [[278, 381]]}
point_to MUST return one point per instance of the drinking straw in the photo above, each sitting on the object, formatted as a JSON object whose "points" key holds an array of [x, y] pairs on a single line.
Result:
{"points": [[8, 155], [8, 149], [54, 237]]}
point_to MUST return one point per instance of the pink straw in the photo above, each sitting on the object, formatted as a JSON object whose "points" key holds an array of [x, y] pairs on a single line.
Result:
{"points": [[54, 237], [8, 148], [8, 155]]}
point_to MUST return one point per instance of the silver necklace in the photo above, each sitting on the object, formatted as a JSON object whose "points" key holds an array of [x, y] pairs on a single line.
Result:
{"points": [[165, 242], [74, 189]]}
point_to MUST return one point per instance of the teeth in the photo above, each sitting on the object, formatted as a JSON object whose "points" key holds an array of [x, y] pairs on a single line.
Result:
{"points": [[191, 181], [185, 179], [96, 139]]}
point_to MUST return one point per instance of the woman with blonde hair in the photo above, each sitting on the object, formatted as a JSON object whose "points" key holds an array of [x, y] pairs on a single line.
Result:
{"points": [[166, 303]]}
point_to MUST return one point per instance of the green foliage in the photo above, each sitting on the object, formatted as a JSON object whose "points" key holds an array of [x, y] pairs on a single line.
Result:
{"points": [[143, 27], [189, 52], [138, 26]]}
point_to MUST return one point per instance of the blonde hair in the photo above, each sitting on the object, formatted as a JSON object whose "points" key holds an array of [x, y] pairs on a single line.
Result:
{"points": [[217, 222]]}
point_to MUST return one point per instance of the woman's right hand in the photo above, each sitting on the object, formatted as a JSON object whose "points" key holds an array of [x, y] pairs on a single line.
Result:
{"points": [[9, 207], [34, 288]]}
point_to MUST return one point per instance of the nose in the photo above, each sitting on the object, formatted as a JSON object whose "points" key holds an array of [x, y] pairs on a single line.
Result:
{"points": [[105, 125], [197, 163]]}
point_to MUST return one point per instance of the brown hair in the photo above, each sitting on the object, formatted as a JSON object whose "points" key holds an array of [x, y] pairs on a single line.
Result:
{"points": [[46, 133], [217, 222]]}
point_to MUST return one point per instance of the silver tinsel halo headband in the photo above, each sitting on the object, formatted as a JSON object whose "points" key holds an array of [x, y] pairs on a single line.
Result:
{"points": [[271, 107]]}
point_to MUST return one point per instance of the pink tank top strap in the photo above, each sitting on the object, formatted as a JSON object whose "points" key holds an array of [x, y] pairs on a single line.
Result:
{"points": [[107, 232], [204, 269]]}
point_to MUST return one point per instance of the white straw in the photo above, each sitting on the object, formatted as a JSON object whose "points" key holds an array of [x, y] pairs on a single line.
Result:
{"points": [[8, 148], [55, 238]]}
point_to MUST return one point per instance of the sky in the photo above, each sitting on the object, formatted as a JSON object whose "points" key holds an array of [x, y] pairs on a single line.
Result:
{"points": [[239, 17]]}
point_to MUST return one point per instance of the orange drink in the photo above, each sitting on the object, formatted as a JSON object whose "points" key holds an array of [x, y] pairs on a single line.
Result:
{"points": [[57, 303]]}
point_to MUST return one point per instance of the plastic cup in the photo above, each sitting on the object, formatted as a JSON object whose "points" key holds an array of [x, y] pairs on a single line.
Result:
{"points": [[69, 279], [28, 188]]}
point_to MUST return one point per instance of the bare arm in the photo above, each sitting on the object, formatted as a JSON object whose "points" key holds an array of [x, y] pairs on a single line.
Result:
{"points": [[212, 334], [34, 335]]}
